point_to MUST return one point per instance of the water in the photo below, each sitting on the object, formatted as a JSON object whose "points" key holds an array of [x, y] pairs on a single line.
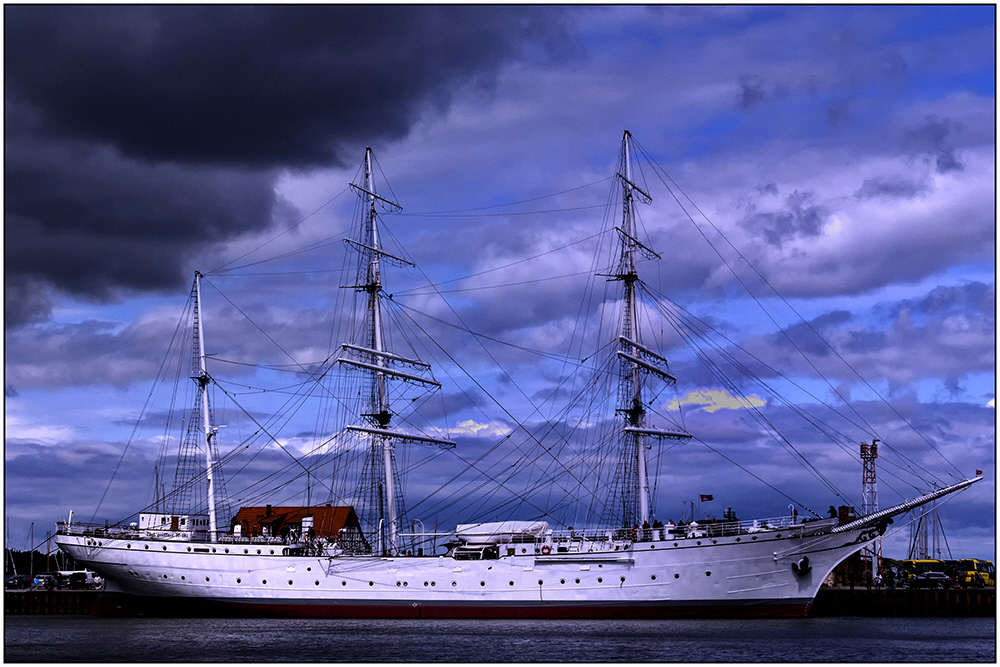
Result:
{"points": [[843, 639]]}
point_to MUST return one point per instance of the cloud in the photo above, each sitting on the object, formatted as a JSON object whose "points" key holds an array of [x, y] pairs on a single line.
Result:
{"points": [[136, 136], [711, 400]]}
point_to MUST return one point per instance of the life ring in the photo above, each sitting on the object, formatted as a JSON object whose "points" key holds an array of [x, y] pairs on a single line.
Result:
{"points": [[546, 549]]}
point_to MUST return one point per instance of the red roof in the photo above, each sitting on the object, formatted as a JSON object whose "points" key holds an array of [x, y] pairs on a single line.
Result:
{"points": [[327, 521]]}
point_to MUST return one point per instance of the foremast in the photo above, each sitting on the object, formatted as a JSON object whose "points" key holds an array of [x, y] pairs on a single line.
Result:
{"points": [[636, 361], [200, 433], [379, 364]]}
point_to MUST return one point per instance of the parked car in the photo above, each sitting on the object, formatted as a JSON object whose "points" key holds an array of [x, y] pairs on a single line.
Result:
{"points": [[18, 581], [931, 580], [46, 580]]}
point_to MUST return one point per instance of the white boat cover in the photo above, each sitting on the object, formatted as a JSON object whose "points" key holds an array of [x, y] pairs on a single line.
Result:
{"points": [[499, 531]]}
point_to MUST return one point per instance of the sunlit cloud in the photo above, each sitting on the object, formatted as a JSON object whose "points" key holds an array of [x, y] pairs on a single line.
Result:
{"points": [[711, 400]]}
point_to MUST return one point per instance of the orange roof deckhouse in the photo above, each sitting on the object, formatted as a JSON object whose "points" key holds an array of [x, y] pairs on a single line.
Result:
{"points": [[326, 522]]}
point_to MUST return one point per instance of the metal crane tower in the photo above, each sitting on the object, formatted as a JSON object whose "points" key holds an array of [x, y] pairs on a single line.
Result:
{"points": [[869, 500]]}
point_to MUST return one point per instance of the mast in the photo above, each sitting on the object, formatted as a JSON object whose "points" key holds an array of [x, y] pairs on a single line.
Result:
{"points": [[206, 424], [636, 414], [637, 360], [378, 362]]}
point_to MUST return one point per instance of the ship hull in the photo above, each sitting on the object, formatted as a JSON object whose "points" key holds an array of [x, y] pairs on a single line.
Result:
{"points": [[759, 576]]}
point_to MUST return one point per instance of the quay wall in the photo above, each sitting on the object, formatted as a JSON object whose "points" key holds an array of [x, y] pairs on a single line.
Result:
{"points": [[829, 602], [48, 602], [904, 602]]}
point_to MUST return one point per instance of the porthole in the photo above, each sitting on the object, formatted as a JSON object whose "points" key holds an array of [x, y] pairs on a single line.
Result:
{"points": [[454, 583], [146, 547], [677, 576], [238, 580], [264, 582], [343, 583], [562, 581], [405, 584], [482, 583], [246, 551], [427, 583], [128, 546], [272, 552], [778, 535], [739, 539], [164, 548], [399, 583], [258, 552], [511, 583], [715, 541], [623, 580], [289, 582], [699, 543], [652, 546], [539, 582], [183, 578], [652, 577], [213, 550], [227, 550], [675, 544], [189, 549], [164, 576], [523, 550], [371, 583], [317, 582], [708, 574], [309, 569], [433, 584], [754, 538], [600, 580]]}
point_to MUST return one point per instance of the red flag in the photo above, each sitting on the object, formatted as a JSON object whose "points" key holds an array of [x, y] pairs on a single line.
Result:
{"points": [[979, 472], [706, 497]]}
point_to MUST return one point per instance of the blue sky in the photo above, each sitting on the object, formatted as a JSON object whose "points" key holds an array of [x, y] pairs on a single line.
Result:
{"points": [[848, 152]]}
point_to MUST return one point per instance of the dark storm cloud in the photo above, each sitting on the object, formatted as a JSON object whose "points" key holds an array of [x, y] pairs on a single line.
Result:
{"points": [[135, 135], [86, 219], [254, 85]]}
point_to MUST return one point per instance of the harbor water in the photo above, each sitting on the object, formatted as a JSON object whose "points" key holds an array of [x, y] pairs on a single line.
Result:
{"points": [[809, 640]]}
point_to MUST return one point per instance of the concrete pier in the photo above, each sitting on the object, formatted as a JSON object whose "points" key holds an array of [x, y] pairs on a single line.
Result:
{"points": [[904, 602]]}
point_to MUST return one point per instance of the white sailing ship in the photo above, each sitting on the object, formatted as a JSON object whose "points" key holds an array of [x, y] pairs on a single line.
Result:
{"points": [[370, 562]]}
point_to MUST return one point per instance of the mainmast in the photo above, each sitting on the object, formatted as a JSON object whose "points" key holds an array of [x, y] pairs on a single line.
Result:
{"points": [[379, 363], [636, 360]]}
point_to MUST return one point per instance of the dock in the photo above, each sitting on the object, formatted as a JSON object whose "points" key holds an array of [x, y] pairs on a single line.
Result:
{"points": [[17, 603], [829, 602], [904, 602]]}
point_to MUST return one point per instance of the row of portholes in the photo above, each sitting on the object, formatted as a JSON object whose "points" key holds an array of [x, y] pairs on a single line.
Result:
{"points": [[738, 539], [541, 582], [406, 583], [284, 552]]}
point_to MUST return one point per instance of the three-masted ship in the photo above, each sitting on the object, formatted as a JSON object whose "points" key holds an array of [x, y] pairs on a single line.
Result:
{"points": [[365, 561]]}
